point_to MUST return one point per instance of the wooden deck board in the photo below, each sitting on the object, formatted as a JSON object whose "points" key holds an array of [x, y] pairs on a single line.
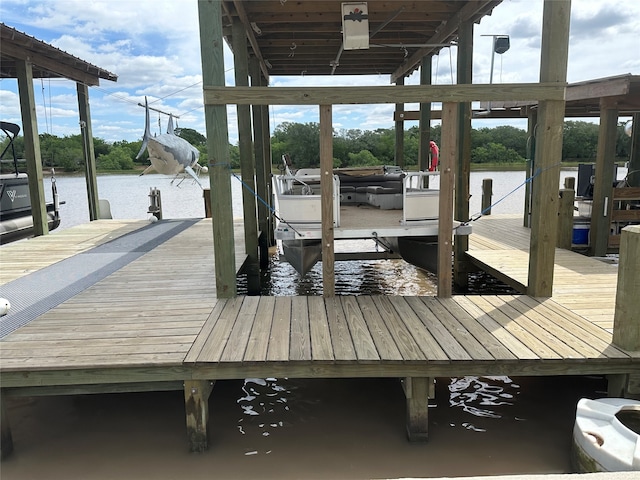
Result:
{"points": [[500, 245], [162, 329]]}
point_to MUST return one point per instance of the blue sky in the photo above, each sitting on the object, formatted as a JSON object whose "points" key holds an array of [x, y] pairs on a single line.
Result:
{"points": [[153, 47]]}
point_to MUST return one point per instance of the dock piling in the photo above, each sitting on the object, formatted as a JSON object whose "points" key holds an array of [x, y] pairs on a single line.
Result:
{"points": [[416, 390], [196, 402], [565, 218], [487, 193]]}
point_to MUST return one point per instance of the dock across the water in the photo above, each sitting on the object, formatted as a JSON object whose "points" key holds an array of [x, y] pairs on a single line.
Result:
{"points": [[147, 319]]}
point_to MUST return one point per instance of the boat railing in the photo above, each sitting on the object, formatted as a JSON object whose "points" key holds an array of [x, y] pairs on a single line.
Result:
{"points": [[420, 202], [298, 199]]}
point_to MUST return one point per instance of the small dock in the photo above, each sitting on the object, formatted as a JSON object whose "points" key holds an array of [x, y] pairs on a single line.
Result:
{"points": [[155, 323]]}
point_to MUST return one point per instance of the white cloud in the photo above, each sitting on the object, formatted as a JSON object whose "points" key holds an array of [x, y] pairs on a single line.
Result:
{"points": [[154, 48]]}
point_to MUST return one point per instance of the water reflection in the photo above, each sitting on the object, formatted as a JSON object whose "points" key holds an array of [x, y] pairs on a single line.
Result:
{"points": [[481, 396]]}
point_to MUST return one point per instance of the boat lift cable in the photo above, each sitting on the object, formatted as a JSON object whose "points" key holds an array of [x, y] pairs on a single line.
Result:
{"points": [[479, 215], [260, 199]]}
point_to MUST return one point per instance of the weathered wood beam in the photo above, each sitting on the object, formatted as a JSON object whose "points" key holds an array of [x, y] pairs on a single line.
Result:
{"points": [[626, 322], [86, 133], [603, 188], [247, 168], [211, 44], [262, 175], [196, 402], [448, 156], [59, 68], [532, 122], [399, 130], [32, 147], [565, 218], [633, 177], [364, 95], [424, 116], [463, 160], [553, 68], [250, 36], [417, 394], [326, 187]]}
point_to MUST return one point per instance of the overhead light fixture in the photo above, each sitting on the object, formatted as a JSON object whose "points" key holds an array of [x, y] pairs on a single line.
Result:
{"points": [[355, 26]]}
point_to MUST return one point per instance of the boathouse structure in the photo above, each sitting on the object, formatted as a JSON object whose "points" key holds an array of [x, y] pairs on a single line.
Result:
{"points": [[26, 58], [77, 340]]}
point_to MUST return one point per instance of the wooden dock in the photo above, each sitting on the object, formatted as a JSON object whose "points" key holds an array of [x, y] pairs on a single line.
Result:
{"points": [[584, 285], [155, 324]]}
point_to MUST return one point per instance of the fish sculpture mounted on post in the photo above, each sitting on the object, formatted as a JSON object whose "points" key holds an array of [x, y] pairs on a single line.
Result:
{"points": [[169, 154]]}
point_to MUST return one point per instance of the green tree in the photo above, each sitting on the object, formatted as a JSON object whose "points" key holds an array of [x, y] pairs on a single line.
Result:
{"points": [[580, 140], [495, 153], [118, 158], [364, 158]]}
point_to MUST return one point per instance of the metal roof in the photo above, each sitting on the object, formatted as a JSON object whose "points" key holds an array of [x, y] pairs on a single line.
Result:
{"points": [[47, 60]]}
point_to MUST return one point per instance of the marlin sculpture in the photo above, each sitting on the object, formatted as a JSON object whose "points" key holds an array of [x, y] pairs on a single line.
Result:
{"points": [[169, 154]]}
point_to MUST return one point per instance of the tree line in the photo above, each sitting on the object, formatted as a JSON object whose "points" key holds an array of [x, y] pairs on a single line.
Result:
{"points": [[351, 147]]}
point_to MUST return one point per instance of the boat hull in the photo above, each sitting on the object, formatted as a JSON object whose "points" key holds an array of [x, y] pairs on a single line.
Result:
{"points": [[302, 254], [421, 252], [16, 219]]}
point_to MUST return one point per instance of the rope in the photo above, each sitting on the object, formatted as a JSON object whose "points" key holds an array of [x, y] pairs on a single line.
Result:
{"points": [[477, 216]]}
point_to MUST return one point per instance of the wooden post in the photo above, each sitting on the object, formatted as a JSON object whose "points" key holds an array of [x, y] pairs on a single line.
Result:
{"points": [[532, 121], [565, 218], [326, 187], [245, 143], [24, 72], [544, 203], [463, 161], [400, 130], [603, 188], [633, 177], [266, 141], [416, 390], [86, 132], [262, 176], [425, 121], [6, 440], [570, 183], [211, 43], [487, 195], [196, 402], [448, 155], [626, 322]]}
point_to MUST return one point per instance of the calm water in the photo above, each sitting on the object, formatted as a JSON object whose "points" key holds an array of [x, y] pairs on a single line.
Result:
{"points": [[295, 428]]}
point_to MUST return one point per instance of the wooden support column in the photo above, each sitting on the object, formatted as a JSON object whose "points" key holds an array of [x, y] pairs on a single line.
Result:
{"points": [[266, 141], [86, 132], [448, 155], [245, 144], [416, 391], [603, 188], [544, 204], [425, 120], [24, 72], [463, 161], [211, 44], [6, 440], [326, 187], [262, 176], [634, 159], [196, 402], [626, 322], [565, 218], [400, 129], [532, 122]]}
